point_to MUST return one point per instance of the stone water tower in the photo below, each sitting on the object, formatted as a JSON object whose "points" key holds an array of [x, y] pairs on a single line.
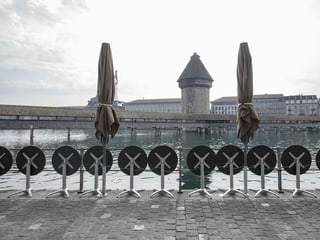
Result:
{"points": [[195, 82]]}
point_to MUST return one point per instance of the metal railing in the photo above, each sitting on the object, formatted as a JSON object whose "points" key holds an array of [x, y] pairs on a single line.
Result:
{"points": [[180, 169]]}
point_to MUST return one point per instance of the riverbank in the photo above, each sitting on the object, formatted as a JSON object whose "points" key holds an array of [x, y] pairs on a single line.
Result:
{"points": [[22, 117]]}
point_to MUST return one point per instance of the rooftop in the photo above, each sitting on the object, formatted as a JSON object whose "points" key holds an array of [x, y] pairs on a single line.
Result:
{"points": [[153, 101], [235, 98], [301, 97], [195, 70]]}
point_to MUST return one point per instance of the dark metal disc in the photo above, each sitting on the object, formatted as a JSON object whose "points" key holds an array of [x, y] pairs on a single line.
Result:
{"points": [[136, 155], [203, 153], [165, 154], [295, 153], [258, 154], [96, 153], [68, 154], [227, 154], [36, 157], [5, 160], [318, 159]]}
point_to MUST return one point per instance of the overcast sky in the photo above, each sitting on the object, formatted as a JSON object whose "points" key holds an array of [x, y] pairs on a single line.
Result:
{"points": [[49, 49]]}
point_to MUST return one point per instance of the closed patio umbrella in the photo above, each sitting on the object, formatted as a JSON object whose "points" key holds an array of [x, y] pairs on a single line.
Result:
{"points": [[106, 123], [247, 120]]}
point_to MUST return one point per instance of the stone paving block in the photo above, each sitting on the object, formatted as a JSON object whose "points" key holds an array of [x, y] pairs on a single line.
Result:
{"points": [[181, 236], [171, 221], [170, 227], [181, 217], [181, 228], [181, 222], [193, 238], [235, 231], [192, 226], [169, 238], [212, 232], [202, 230], [192, 233]]}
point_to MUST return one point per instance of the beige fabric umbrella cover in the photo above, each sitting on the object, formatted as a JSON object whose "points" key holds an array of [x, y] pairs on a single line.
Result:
{"points": [[248, 121], [106, 123]]}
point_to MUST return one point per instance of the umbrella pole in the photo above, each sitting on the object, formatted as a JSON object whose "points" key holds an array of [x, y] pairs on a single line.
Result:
{"points": [[104, 167], [245, 175]]}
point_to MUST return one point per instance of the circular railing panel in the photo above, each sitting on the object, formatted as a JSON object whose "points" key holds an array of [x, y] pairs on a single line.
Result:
{"points": [[227, 155], [294, 154], [261, 154], [162, 154], [94, 154], [202, 154], [318, 159], [69, 155], [5, 160], [35, 156], [132, 155]]}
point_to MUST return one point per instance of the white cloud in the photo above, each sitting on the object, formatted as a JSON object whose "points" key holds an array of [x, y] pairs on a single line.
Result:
{"points": [[35, 49], [49, 49]]}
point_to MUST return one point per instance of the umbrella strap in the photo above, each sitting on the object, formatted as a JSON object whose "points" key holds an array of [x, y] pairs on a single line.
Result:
{"points": [[104, 104]]}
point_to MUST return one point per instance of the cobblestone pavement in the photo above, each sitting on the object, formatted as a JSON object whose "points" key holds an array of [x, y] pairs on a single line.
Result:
{"points": [[183, 217]]}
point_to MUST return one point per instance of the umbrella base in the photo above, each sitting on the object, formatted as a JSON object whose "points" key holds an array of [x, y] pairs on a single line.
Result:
{"points": [[201, 192], [131, 192], [63, 192], [26, 193], [266, 192], [234, 192], [299, 192], [162, 192], [95, 192]]}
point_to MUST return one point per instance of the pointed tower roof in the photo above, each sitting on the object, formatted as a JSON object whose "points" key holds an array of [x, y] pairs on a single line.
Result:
{"points": [[195, 74]]}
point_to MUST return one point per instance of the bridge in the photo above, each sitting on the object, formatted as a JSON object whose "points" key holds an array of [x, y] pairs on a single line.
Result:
{"points": [[22, 117]]}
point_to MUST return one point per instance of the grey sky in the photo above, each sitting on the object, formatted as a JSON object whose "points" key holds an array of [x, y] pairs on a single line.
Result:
{"points": [[49, 49]]}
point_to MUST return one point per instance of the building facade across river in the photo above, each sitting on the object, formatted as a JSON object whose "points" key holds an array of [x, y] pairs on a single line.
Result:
{"points": [[267, 104], [271, 104]]}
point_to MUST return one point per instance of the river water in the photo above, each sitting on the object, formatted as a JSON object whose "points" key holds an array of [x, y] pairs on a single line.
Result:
{"points": [[49, 140]]}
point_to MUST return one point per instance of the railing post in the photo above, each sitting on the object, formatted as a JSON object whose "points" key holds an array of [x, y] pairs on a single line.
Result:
{"points": [[180, 169], [279, 170], [81, 171], [69, 135], [31, 135]]}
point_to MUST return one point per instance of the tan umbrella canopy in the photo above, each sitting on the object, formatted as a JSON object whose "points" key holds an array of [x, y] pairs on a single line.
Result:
{"points": [[248, 121], [106, 123]]}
